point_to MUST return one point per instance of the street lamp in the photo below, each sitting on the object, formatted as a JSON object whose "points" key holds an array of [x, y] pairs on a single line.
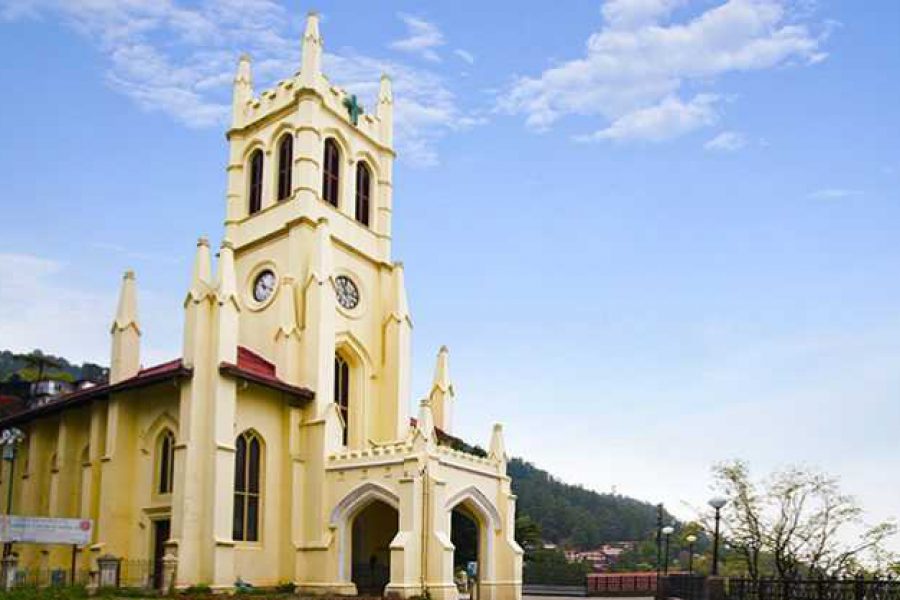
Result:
{"points": [[659, 526], [690, 540], [10, 440], [717, 503], [667, 531]]}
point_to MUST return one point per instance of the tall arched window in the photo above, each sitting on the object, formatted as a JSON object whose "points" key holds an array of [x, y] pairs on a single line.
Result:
{"points": [[331, 172], [247, 467], [285, 161], [342, 391], [363, 192], [256, 181], [166, 461]]}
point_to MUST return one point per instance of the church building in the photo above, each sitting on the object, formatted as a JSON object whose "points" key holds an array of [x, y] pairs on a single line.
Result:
{"points": [[279, 448]]}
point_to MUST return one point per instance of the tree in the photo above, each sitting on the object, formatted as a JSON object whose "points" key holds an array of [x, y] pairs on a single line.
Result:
{"points": [[528, 532], [799, 519]]}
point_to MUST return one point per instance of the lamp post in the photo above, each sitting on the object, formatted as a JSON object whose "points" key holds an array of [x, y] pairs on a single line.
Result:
{"points": [[690, 540], [667, 531], [10, 440], [717, 503], [659, 528]]}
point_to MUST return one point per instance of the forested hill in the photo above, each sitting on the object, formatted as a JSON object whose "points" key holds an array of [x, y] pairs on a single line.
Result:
{"points": [[576, 517]]}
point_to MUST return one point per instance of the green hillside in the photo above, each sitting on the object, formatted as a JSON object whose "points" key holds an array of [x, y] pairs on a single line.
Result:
{"points": [[572, 516]]}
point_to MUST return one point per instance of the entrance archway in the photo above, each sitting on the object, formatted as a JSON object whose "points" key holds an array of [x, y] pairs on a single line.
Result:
{"points": [[373, 529], [474, 522], [466, 539]]}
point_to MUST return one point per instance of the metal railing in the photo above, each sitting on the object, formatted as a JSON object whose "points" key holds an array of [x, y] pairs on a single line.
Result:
{"points": [[813, 589]]}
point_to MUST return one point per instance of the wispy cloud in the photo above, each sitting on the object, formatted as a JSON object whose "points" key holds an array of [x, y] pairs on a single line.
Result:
{"points": [[42, 308], [465, 55], [178, 58], [637, 69], [834, 193], [727, 141], [664, 121], [422, 38]]}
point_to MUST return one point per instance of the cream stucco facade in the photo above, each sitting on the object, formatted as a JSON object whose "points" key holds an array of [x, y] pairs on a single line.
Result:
{"points": [[283, 366]]}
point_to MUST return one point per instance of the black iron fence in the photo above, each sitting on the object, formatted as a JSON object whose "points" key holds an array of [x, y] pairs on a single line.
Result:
{"points": [[50, 577], [812, 589], [144, 574]]}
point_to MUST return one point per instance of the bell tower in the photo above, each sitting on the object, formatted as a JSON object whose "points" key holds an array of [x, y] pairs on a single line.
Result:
{"points": [[309, 208]]}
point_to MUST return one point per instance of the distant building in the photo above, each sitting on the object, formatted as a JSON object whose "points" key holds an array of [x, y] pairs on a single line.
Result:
{"points": [[602, 558]]}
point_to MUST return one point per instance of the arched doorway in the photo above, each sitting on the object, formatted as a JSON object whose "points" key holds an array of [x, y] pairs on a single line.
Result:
{"points": [[464, 534], [374, 527]]}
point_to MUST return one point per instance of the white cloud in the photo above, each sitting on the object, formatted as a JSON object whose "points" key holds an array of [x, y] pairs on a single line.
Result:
{"points": [[422, 38], [834, 193], [465, 55], [44, 308], [727, 141], [41, 311], [666, 120], [178, 58], [639, 67], [627, 14]]}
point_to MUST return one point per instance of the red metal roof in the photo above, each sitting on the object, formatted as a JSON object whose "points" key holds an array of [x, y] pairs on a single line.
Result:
{"points": [[250, 366], [248, 360]]}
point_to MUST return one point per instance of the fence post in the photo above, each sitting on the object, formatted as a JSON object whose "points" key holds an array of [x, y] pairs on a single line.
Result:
{"points": [[10, 563], [109, 567], [714, 588], [170, 568]]}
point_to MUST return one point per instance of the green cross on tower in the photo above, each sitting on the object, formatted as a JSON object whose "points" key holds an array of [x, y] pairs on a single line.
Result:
{"points": [[354, 108]]}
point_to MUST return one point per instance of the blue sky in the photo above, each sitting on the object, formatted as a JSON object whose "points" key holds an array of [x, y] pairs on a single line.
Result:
{"points": [[654, 233]]}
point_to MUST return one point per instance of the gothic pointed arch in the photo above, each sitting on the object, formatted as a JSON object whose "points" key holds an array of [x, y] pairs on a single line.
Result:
{"points": [[331, 171], [363, 193], [249, 458], [358, 498], [285, 165], [255, 164], [165, 461], [344, 514], [479, 503]]}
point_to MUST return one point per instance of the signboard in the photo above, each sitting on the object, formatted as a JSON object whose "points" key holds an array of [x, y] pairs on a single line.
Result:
{"points": [[45, 530]]}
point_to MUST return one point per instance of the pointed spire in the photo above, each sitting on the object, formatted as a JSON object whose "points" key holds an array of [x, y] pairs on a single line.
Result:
{"points": [[498, 447], [243, 90], [226, 281], [442, 371], [287, 310], [311, 62], [125, 359], [441, 395], [385, 110], [425, 420], [201, 278], [127, 311]]}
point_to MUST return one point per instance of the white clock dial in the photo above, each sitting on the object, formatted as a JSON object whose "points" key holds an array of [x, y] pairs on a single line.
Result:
{"points": [[263, 286], [347, 292]]}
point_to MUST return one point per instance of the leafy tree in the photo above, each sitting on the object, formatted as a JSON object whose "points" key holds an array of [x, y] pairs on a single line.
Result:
{"points": [[796, 520], [550, 566], [528, 532]]}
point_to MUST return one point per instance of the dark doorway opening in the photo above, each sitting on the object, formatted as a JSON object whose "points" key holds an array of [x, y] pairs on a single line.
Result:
{"points": [[161, 530], [374, 527], [466, 555]]}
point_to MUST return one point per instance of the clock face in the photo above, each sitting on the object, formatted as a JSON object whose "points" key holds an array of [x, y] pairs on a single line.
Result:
{"points": [[263, 286], [347, 292]]}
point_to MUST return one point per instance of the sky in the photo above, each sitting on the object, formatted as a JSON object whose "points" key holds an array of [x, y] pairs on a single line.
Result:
{"points": [[655, 234]]}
